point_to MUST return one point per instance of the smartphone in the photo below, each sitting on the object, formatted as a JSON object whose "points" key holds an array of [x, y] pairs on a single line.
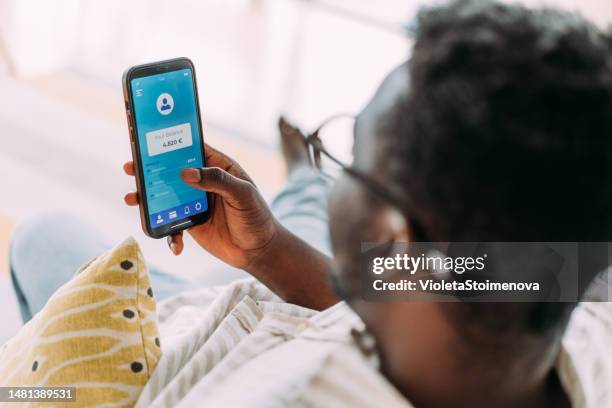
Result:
{"points": [[163, 113]]}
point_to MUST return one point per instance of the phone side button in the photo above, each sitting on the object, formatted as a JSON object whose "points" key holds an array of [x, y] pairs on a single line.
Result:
{"points": [[133, 147], [129, 121]]}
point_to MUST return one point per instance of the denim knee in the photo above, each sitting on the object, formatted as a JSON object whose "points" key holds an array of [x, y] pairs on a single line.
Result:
{"points": [[36, 232]]}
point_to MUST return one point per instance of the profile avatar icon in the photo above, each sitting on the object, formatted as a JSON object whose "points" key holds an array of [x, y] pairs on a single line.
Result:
{"points": [[165, 104]]}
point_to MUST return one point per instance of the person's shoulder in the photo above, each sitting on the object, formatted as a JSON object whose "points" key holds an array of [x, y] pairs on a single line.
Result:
{"points": [[590, 327], [348, 379], [585, 362], [591, 316]]}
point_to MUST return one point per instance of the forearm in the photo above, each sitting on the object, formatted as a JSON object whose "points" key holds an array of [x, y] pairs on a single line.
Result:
{"points": [[295, 271]]}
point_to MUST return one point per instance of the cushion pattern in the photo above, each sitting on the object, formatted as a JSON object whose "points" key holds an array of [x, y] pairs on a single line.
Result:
{"points": [[98, 333]]}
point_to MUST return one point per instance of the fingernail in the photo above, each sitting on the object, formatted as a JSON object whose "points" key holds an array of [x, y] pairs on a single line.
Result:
{"points": [[191, 175], [170, 242]]}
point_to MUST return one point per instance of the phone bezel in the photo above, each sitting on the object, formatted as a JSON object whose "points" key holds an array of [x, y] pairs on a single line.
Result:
{"points": [[145, 70]]}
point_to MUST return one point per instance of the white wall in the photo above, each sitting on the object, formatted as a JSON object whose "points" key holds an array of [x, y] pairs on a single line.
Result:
{"points": [[38, 36]]}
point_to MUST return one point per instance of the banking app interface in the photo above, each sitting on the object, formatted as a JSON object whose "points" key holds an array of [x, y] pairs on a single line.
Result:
{"points": [[169, 138]]}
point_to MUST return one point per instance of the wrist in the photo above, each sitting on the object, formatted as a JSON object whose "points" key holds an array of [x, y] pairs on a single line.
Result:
{"points": [[272, 250]]}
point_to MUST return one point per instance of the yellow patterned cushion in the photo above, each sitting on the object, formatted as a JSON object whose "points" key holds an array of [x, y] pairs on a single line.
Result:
{"points": [[97, 333]]}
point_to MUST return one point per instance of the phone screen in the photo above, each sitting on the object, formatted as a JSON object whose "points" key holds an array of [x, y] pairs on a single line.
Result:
{"points": [[168, 131]]}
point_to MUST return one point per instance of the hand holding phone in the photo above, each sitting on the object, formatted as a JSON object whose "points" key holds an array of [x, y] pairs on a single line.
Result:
{"points": [[169, 164], [241, 224]]}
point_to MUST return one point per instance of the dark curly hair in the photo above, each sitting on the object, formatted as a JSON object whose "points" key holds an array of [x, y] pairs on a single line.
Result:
{"points": [[506, 133]]}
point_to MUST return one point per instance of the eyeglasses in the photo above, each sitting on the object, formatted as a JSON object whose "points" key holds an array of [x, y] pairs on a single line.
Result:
{"points": [[330, 148]]}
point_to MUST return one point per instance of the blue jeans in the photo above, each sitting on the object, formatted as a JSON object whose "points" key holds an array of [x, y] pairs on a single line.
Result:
{"points": [[47, 251]]}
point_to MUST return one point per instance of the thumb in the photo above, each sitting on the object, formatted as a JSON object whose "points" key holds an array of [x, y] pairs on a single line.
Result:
{"points": [[218, 181]]}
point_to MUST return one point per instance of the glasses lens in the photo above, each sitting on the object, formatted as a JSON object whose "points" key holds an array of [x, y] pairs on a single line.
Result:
{"points": [[337, 138]]}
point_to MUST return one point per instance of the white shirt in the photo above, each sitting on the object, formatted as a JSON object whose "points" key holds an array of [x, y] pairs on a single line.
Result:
{"points": [[241, 346]]}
